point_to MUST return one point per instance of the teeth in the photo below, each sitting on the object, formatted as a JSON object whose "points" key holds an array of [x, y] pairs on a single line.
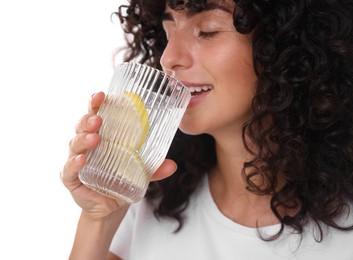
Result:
{"points": [[199, 89]]}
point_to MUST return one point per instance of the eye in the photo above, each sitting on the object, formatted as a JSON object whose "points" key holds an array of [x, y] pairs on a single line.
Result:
{"points": [[207, 35]]}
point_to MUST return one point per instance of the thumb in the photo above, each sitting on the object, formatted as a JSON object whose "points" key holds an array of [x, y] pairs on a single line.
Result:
{"points": [[167, 168]]}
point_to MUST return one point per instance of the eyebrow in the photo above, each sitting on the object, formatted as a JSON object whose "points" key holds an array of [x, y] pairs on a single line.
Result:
{"points": [[167, 16]]}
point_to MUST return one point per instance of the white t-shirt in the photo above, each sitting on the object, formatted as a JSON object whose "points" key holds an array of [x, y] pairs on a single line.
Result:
{"points": [[208, 235]]}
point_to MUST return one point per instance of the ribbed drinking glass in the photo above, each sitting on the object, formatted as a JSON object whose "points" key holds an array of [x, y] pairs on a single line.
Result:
{"points": [[141, 114]]}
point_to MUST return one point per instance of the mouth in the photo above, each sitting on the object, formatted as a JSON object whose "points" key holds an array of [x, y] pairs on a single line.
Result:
{"points": [[199, 90]]}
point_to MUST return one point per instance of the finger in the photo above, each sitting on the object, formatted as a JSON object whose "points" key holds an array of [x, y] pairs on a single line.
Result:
{"points": [[81, 143], [69, 174], [167, 168], [95, 102], [89, 123]]}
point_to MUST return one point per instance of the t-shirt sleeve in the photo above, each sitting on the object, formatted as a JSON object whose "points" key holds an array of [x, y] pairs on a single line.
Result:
{"points": [[122, 239]]}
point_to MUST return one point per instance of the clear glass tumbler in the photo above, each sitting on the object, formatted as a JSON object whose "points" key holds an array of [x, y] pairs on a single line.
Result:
{"points": [[141, 114]]}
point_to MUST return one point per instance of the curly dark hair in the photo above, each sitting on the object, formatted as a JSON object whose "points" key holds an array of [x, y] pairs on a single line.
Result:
{"points": [[303, 58]]}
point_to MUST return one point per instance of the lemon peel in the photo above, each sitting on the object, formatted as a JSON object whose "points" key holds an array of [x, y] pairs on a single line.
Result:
{"points": [[137, 112]]}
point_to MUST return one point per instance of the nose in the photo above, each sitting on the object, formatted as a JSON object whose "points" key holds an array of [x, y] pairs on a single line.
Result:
{"points": [[177, 55]]}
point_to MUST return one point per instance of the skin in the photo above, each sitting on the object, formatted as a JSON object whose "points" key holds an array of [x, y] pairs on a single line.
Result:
{"points": [[186, 57]]}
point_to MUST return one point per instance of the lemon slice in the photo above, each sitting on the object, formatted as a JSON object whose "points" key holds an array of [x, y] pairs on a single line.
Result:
{"points": [[129, 168], [129, 165], [129, 115], [128, 177], [137, 118]]}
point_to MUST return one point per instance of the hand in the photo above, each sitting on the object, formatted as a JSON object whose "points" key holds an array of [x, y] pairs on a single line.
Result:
{"points": [[91, 202]]}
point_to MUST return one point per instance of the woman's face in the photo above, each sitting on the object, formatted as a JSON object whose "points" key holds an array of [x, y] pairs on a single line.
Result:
{"points": [[213, 60]]}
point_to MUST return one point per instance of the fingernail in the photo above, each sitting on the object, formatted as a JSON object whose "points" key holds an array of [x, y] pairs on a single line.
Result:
{"points": [[78, 158], [89, 137], [92, 120]]}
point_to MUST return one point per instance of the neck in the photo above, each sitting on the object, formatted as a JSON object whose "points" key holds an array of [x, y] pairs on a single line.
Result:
{"points": [[228, 188]]}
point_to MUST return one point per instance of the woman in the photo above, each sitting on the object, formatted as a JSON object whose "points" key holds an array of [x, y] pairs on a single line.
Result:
{"points": [[263, 161]]}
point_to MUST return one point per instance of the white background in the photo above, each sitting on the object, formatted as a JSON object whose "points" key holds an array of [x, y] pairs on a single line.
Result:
{"points": [[53, 56]]}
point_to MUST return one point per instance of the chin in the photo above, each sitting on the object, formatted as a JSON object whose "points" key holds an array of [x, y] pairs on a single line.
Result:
{"points": [[190, 129]]}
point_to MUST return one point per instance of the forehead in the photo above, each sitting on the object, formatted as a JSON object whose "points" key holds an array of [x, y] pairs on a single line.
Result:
{"points": [[196, 6]]}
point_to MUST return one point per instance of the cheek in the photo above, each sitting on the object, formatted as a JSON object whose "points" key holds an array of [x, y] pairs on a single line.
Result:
{"points": [[236, 62], [236, 77], [235, 84]]}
